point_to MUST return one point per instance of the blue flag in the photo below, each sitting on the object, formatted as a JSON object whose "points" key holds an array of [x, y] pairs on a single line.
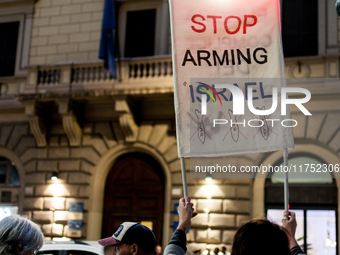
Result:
{"points": [[107, 40]]}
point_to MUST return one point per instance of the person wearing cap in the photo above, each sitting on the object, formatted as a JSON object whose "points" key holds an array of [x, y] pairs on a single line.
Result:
{"points": [[177, 244], [131, 238]]}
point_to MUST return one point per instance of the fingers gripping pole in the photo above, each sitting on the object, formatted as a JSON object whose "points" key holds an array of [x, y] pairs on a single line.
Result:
{"points": [[184, 178], [286, 186]]}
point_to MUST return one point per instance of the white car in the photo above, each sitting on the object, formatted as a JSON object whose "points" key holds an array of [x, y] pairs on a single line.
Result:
{"points": [[71, 248]]}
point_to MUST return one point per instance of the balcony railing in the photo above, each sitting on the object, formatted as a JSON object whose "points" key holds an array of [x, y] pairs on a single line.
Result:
{"points": [[136, 76]]}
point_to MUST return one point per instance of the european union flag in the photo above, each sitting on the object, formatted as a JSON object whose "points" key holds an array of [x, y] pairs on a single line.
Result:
{"points": [[107, 40]]}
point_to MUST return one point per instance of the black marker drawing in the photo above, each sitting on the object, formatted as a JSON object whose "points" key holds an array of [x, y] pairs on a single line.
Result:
{"points": [[264, 128], [201, 128], [235, 132]]}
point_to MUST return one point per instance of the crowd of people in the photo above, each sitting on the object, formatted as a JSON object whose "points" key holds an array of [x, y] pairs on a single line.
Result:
{"points": [[208, 251], [20, 236], [258, 236]]}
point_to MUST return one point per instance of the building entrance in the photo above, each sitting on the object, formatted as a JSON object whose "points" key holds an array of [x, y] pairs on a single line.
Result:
{"points": [[134, 191]]}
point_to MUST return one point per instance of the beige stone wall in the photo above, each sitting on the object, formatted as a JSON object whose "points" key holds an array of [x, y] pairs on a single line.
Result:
{"points": [[47, 202], [65, 31], [228, 208], [229, 201]]}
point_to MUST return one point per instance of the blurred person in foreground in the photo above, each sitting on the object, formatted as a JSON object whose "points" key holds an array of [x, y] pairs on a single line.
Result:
{"points": [[260, 236], [19, 236]]}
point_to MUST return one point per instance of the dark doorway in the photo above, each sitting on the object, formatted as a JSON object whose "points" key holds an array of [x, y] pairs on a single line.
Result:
{"points": [[134, 191]]}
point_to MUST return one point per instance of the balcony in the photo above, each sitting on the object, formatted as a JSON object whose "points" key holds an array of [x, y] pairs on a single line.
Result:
{"points": [[11, 86], [146, 76], [137, 76]]}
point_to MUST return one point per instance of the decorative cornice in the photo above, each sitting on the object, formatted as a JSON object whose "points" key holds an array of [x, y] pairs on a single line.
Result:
{"points": [[33, 111], [70, 123], [129, 127], [38, 130], [72, 129], [126, 121]]}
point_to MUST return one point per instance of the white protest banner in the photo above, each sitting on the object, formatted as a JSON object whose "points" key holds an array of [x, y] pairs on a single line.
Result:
{"points": [[224, 46]]}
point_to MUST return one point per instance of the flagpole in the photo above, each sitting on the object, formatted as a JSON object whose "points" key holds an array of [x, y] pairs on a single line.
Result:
{"points": [[184, 177], [286, 186]]}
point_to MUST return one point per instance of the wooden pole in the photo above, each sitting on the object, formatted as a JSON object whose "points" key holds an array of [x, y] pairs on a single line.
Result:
{"points": [[184, 178], [286, 185]]}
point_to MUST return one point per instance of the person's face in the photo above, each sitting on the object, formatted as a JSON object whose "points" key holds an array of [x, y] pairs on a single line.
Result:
{"points": [[158, 249], [28, 252], [110, 250], [125, 249]]}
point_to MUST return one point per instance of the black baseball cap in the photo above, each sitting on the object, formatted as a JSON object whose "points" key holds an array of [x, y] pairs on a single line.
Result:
{"points": [[130, 233]]}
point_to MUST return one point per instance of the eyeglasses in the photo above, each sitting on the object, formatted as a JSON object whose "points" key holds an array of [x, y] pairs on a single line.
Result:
{"points": [[35, 251]]}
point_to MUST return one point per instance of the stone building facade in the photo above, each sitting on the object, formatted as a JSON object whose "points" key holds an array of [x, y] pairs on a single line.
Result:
{"points": [[62, 112]]}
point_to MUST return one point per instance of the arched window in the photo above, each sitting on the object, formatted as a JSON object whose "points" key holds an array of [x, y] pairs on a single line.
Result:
{"points": [[313, 196], [9, 175], [9, 187]]}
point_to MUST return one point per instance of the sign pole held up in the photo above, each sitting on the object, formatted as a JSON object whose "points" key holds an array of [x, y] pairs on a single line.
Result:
{"points": [[203, 61], [286, 187], [184, 178]]}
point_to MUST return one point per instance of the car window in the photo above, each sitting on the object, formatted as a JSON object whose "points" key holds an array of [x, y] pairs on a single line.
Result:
{"points": [[75, 252], [48, 252]]}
